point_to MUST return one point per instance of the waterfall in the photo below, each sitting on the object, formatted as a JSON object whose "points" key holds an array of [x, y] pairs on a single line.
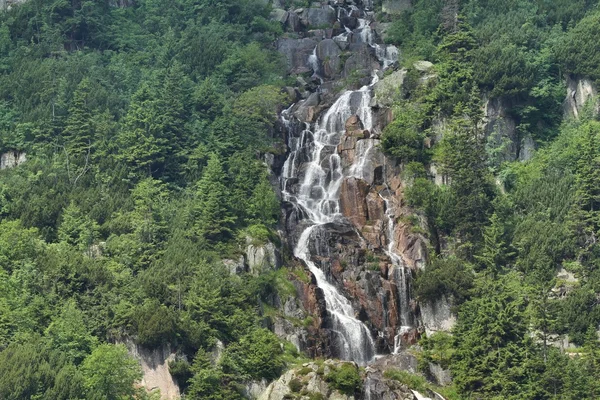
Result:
{"points": [[311, 179], [320, 178], [399, 272], [353, 336]]}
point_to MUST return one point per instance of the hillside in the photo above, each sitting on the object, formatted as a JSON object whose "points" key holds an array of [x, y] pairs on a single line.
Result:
{"points": [[277, 199]]}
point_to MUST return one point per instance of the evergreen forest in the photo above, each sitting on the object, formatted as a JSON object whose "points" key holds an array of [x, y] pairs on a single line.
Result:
{"points": [[152, 135]]}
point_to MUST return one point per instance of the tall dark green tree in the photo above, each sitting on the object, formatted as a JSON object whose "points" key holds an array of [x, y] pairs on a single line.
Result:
{"points": [[79, 129], [215, 219], [585, 214]]}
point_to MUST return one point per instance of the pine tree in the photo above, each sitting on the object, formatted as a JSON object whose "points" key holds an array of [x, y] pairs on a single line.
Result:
{"points": [[77, 229], [495, 253], [140, 141], [592, 358], [215, 219], [79, 129], [264, 205], [585, 214], [174, 110]]}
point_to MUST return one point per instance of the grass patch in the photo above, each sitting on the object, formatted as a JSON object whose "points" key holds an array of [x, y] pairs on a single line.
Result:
{"points": [[415, 382]]}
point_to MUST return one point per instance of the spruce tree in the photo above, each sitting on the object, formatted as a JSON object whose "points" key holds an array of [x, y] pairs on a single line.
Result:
{"points": [[215, 218], [585, 214], [79, 130], [495, 252], [140, 141]]}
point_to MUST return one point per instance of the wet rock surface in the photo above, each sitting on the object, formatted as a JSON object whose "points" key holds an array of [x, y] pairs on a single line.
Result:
{"points": [[337, 182]]}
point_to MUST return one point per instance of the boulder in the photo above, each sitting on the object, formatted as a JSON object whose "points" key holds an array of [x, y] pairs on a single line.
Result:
{"points": [[297, 53], [307, 110], [389, 88], [423, 66], [279, 15], [396, 6], [293, 22], [318, 17], [360, 62], [328, 54]]}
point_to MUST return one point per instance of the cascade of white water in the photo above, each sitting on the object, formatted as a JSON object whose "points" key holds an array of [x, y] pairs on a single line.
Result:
{"points": [[320, 178], [387, 55], [399, 273], [313, 61], [315, 171], [353, 335]]}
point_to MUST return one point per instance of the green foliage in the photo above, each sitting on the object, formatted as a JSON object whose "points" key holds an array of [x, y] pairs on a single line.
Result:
{"points": [[145, 126], [69, 334], [438, 349], [215, 220], [414, 382], [256, 355], [345, 378], [403, 137], [295, 385], [493, 350], [109, 372], [575, 49], [32, 370], [444, 277], [156, 324]]}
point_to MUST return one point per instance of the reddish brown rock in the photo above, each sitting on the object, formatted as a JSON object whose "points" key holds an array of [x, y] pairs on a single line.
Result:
{"points": [[353, 205], [411, 246], [375, 206], [374, 233]]}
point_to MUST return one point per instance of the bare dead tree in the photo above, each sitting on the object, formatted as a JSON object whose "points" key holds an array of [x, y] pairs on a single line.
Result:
{"points": [[449, 15]]}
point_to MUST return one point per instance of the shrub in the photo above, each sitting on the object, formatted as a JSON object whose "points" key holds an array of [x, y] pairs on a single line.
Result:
{"points": [[345, 378], [295, 385], [414, 382]]}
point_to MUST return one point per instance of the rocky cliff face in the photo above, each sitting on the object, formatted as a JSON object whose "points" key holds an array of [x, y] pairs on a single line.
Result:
{"points": [[11, 159], [580, 90], [155, 369], [337, 183]]}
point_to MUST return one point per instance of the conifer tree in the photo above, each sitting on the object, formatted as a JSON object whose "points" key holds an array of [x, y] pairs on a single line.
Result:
{"points": [[79, 130], [495, 253], [215, 219], [140, 141], [585, 214]]}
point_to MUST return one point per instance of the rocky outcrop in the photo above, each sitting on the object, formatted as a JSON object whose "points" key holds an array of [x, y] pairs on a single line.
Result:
{"points": [[388, 89], [579, 92], [328, 53], [258, 258], [297, 53], [261, 258], [8, 4], [396, 6], [503, 140], [12, 159], [320, 17], [155, 369], [437, 315], [312, 380]]}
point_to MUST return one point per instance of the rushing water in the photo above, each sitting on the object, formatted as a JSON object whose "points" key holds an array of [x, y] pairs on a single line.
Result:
{"points": [[314, 169], [315, 162]]}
